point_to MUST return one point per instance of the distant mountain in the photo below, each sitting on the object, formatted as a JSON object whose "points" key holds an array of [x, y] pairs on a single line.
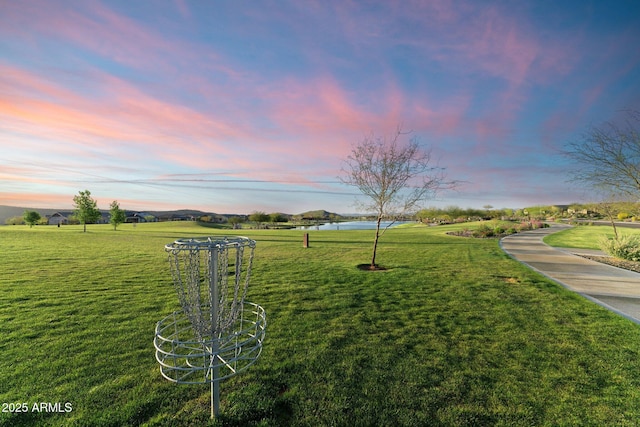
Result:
{"points": [[319, 214], [180, 213]]}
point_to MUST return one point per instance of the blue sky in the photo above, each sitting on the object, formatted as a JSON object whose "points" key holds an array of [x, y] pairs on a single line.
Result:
{"points": [[236, 106]]}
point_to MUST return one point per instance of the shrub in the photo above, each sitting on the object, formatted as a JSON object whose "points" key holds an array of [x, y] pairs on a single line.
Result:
{"points": [[626, 246], [535, 224], [523, 226], [483, 231], [16, 220], [531, 225]]}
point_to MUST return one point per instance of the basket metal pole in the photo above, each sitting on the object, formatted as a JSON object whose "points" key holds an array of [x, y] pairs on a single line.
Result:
{"points": [[214, 299]]}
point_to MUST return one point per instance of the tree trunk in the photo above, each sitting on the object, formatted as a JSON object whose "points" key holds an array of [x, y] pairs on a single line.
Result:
{"points": [[608, 209], [613, 224], [85, 226], [375, 243]]}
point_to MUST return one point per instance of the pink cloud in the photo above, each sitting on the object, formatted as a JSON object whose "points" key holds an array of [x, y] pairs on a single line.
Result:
{"points": [[126, 122], [123, 115], [174, 134], [505, 44], [500, 46], [92, 26], [20, 174], [440, 119], [463, 37], [318, 115], [318, 111], [97, 29], [327, 114], [38, 200]]}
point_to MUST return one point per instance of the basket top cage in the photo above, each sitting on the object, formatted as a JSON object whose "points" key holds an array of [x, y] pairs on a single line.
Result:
{"points": [[198, 243]]}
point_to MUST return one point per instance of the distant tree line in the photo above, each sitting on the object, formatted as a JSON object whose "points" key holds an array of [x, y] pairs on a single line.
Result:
{"points": [[620, 211], [85, 212]]}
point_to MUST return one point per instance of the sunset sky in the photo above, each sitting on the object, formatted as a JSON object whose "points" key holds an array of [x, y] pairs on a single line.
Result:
{"points": [[237, 106]]}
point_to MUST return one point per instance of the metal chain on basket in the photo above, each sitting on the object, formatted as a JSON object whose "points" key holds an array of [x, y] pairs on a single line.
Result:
{"points": [[193, 281]]}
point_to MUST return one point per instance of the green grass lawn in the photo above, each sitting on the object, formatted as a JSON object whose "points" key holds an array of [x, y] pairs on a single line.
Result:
{"points": [[455, 332], [585, 237]]}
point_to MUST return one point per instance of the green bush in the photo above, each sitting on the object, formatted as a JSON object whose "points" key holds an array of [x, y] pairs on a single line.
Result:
{"points": [[523, 226], [626, 246], [16, 220], [483, 231]]}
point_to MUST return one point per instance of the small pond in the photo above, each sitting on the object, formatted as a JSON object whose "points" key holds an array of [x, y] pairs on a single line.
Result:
{"points": [[351, 225]]}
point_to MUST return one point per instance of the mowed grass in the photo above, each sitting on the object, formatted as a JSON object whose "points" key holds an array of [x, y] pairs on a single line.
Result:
{"points": [[455, 332], [586, 237]]}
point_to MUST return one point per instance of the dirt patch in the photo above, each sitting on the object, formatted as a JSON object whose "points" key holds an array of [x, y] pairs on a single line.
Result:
{"points": [[369, 267], [616, 262], [470, 233]]}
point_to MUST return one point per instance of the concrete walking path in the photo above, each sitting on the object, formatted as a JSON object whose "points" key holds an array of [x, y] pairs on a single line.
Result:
{"points": [[612, 287]]}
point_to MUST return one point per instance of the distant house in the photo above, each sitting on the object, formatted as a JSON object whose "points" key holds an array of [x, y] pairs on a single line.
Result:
{"points": [[104, 218], [179, 217], [140, 217], [66, 217], [583, 212], [58, 218], [212, 218]]}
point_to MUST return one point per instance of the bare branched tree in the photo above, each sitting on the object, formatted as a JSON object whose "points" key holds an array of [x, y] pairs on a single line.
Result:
{"points": [[608, 207], [394, 178], [607, 157]]}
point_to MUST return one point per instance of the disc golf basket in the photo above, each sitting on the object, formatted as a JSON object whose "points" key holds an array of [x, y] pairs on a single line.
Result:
{"points": [[217, 334]]}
